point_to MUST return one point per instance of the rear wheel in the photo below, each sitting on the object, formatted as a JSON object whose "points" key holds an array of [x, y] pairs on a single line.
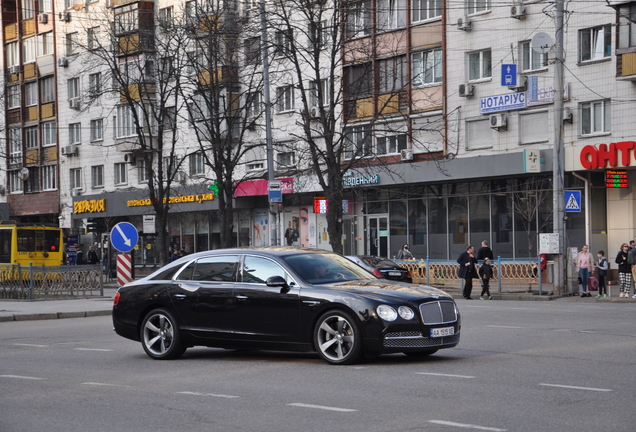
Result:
{"points": [[420, 353], [337, 338], [160, 336]]}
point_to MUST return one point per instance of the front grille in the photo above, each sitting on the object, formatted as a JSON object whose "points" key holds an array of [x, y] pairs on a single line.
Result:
{"points": [[416, 340], [438, 312]]}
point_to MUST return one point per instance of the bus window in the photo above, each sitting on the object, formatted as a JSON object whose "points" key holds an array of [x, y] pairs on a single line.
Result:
{"points": [[5, 246], [26, 240], [52, 241]]}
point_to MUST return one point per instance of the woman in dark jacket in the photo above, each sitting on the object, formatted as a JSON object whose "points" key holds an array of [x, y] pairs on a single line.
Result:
{"points": [[624, 271]]}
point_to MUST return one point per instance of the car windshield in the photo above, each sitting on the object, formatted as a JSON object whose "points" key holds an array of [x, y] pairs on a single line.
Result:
{"points": [[327, 268]]}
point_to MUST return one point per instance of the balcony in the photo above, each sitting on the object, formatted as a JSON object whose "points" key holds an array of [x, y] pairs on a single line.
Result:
{"points": [[626, 66]]}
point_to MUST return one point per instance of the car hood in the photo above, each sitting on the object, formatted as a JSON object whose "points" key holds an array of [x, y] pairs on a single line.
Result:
{"points": [[381, 288]]}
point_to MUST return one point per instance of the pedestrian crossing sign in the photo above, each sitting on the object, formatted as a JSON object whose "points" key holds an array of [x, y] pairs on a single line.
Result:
{"points": [[572, 201]]}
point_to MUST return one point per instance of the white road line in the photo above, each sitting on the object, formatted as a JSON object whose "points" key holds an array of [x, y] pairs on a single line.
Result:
{"points": [[587, 331], [444, 375], [302, 405], [467, 426], [508, 327], [31, 345], [21, 377], [576, 387], [93, 349], [209, 395], [105, 384]]}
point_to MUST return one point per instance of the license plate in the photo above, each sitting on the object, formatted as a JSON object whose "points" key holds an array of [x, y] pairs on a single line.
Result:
{"points": [[395, 274], [441, 332]]}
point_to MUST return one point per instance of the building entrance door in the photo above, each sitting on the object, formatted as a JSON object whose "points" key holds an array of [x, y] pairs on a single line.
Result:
{"points": [[378, 235]]}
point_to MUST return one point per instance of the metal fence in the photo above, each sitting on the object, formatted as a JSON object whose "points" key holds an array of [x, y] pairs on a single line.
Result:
{"points": [[20, 282], [518, 272]]}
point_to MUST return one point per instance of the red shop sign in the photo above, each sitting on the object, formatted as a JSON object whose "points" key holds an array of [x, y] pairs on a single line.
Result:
{"points": [[605, 156]]}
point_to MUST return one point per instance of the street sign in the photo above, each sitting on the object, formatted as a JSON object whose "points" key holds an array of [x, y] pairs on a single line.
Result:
{"points": [[124, 237], [124, 269], [572, 201], [509, 75], [275, 191]]}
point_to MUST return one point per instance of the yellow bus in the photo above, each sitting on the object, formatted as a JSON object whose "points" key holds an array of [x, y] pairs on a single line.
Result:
{"points": [[27, 243]]}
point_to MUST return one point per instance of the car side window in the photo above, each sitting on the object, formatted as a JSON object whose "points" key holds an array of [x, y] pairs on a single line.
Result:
{"points": [[258, 270], [212, 269]]}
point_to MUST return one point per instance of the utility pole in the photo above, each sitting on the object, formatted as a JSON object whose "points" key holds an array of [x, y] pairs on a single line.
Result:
{"points": [[558, 154]]}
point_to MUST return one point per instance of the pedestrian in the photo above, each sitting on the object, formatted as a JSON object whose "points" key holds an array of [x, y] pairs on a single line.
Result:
{"points": [[485, 274], [289, 234], [484, 252], [631, 260], [182, 252], [624, 271], [404, 253], [92, 256], [172, 255], [601, 270], [467, 270], [584, 264], [79, 258]]}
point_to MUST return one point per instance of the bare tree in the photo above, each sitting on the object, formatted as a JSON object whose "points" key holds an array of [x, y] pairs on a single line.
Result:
{"points": [[530, 197]]}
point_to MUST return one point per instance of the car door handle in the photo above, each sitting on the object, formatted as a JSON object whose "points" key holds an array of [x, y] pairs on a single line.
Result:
{"points": [[311, 302], [180, 296], [241, 297]]}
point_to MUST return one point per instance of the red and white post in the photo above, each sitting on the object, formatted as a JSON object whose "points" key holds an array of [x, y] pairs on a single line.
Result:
{"points": [[124, 269]]}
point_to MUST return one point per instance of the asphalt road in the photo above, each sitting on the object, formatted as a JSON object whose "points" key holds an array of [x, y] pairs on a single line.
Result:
{"points": [[520, 366]]}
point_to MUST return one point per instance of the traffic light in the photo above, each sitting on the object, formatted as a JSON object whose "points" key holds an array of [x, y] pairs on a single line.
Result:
{"points": [[91, 225]]}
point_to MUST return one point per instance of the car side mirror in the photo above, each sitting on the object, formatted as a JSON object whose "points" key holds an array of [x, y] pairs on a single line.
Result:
{"points": [[278, 281]]}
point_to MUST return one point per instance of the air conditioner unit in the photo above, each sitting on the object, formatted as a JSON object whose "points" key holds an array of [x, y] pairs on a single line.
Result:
{"points": [[406, 154], [3, 191], [64, 16], [62, 62], [567, 115], [466, 90], [43, 18], [314, 112], [498, 121], [518, 11], [130, 158], [74, 103], [464, 23], [522, 84], [76, 191], [14, 69], [70, 150]]}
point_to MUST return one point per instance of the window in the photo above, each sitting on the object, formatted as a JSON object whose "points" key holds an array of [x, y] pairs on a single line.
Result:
{"points": [[426, 9], [285, 97], [95, 83], [47, 89], [13, 56], [75, 178], [166, 17], [358, 81], [286, 159], [283, 45], [478, 133], [13, 96], [31, 94], [253, 50], [474, 6], [31, 137], [32, 184], [595, 117], [391, 144], [165, 68], [254, 104], [191, 12], [530, 59], [120, 174], [314, 99], [359, 19], [97, 130], [125, 124], [169, 118], [627, 25], [127, 18], [427, 67], [49, 134], [357, 142], [71, 44], [392, 74], [169, 166], [97, 176], [29, 49], [532, 127], [318, 34], [75, 133], [92, 38], [479, 65], [143, 173], [15, 146], [73, 88], [257, 270], [15, 184], [391, 14], [45, 6], [196, 164], [49, 181], [255, 166], [595, 43], [211, 269], [28, 9], [45, 44]]}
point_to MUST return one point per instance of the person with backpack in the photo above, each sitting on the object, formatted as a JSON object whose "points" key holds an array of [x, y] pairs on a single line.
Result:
{"points": [[601, 270]]}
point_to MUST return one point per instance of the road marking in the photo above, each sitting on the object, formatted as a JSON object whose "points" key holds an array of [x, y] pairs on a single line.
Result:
{"points": [[31, 345], [444, 375], [209, 395], [93, 349], [21, 377], [587, 331], [576, 387], [106, 384], [467, 426], [508, 327], [302, 405]]}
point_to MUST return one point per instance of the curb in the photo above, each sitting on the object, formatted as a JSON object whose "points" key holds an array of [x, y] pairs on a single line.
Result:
{"points": [[54, 315]]}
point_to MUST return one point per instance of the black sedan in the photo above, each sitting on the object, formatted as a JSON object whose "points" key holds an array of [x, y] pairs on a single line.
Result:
{"points": [[285, 299], [382, 267]]}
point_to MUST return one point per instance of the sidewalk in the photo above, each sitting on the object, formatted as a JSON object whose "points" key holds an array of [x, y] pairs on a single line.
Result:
{"points": [[22, 310]]}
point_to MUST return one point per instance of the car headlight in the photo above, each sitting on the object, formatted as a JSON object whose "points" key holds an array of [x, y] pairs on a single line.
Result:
{"points": [[387, 313], [406, 312]]}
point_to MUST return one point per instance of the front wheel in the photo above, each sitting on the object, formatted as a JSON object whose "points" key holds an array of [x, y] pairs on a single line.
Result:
{"points": [[160, 336], [337, 338]]}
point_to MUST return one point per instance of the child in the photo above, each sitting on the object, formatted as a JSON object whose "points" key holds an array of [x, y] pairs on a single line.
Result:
{"points": [[485, 273], [602, 268]]}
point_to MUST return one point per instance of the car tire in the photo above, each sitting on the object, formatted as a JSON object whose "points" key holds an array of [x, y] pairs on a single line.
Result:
{"points": [[420, 353], [337, 338], [160, 336]]}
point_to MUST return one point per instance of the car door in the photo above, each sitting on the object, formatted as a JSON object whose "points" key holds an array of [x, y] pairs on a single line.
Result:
{"points": [[265, 313], [202, 295]]}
